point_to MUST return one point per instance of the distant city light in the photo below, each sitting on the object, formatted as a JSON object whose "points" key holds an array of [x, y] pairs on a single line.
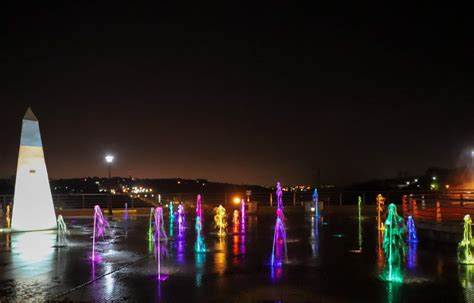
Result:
{"points": [[434, 178], [408, 182], [109, 158], [416, 180], [237, 200], [447, 185]]}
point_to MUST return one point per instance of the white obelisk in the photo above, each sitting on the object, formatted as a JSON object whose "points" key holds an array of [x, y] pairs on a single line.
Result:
{"points": [[33, 207]]}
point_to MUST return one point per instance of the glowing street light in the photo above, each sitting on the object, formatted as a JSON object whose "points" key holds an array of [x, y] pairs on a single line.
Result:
{"points": [[237, 200], [109, 159]]}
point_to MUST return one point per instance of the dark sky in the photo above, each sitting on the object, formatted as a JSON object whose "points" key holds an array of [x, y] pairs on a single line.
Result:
{"points": [[237, 91]]}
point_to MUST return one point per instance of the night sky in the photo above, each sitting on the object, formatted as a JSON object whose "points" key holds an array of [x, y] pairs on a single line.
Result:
{"points": [[237, 91]]}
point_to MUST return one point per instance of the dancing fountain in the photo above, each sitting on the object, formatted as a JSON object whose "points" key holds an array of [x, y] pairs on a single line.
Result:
{"points": [[180, 219], [151, 225], [100, 228], [62, 232], [125, 213], [380, 204], [199, 246], [279, 250], [316, 202], [411, 230], [393, 246], [242, 211], [235, 217], [465, 247], [220, 220], [7, 217], [359, 219], [235, 222], [199, 208], [160, 235], [171, 214]]}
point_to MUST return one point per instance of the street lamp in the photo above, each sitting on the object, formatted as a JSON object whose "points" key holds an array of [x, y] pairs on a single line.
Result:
{"points": [[109, 159]]}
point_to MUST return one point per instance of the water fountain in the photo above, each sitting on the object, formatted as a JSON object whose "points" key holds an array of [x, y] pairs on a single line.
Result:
{"points": [[359, 219], [242, 211], [125, 213], [199, 247], [236, 217], [160, 235], [279, 250], [380, 204], [100, 228], [411, 230], [7, 217], [180, 219], [199, 208], [171, 214], [316, 202], [171, 211], [220, 220], [393, 246], [465, 247], [151, 225], [62, 232]]}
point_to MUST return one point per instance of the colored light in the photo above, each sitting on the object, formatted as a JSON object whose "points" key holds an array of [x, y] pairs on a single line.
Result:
{"points": [[393, 246], [465, 247], [411, 230], [279, 248], [100, 228], [315, 206], [237, 200], [220, 220]]}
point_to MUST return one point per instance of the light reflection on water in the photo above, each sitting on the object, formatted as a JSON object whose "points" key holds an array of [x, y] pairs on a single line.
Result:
{"points": [[466, 279], [33, 246], [220, 256], [200, 261], [412, 256]]}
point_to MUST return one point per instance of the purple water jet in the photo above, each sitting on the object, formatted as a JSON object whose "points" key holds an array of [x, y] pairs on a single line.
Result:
{"points": [[100, 227], [279, 249]]}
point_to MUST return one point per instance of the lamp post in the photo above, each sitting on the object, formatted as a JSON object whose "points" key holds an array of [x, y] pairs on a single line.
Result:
{"points": [[110, 159]]}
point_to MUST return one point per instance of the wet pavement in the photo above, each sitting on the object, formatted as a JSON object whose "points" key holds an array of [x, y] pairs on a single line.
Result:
{"points": [[335, 259]]}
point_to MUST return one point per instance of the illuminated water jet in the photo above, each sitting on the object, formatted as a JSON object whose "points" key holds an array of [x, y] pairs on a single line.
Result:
{"points": [[180, 219], [235, 217], [7, 217], [199, 247], [411, 230], [220, 220], [393, 246], [279, 248], [100, 228], [380, 204], [151, 224], [199, 208], [62, 232], [316, 202], [465, 247], [160, 235], [242, 211]]}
